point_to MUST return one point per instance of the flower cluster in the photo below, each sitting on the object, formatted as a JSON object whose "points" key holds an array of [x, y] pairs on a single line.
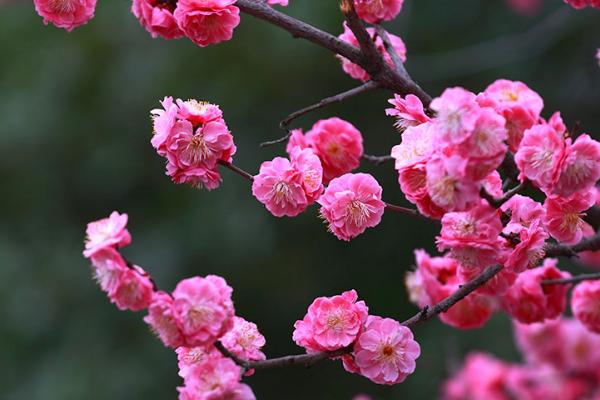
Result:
{"points": [[194, 138], [190, 320], [204, 22], [378, 348], [561, 363], [356, 71]]}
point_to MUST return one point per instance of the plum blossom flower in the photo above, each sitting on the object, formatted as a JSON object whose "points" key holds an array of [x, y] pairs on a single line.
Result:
{"points": [[385, 352], [66, 14], [157, 18], [190, 357], [351, 204], [161, 318], [481, 377], [311, 172], [472, 237], [338, 144], [523, 211], [198, 112], [435, 279], [108, 266], [244, 340], [356, 71], [528, 301], [563, 217], [580, 168], [538, 342], [105, 233], [579, 4], [215, 378], [206, 22], [517, 103], [133, 290], [374, 11], [530, 249], [409, 111], [585, 304], [331, 323], [163, 122], [540, 152], [457, 112], [203, 309], [447, 186], [279, 186]]}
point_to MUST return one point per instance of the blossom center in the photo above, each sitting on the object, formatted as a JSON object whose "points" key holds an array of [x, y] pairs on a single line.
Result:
{"points": [[281, 192], [357, 212], [62, 6]]}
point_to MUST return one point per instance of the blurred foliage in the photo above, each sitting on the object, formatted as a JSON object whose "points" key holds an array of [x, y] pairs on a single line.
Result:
{"points": [[74, 141]]}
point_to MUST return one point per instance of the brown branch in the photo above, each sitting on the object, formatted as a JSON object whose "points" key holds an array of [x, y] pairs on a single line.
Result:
{"points": [[377, 160], [237, 170], [387, 77], [443, 306], [591, 243], [574, 279], [404, 210], [374, 62], [496, 203], [285, 123]]}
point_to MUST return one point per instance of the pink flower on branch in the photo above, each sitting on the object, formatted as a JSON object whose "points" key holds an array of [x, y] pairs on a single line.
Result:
{"points": [[585, 304], [206, 22], [244, 340], [157, 17], [375, 11], [331, 323], [351, 204], [66, 14], [106, 233]]}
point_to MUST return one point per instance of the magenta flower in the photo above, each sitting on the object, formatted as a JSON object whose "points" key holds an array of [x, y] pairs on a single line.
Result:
{"points": [[331, 323], [457, 112], [203, 309], [580, 168], [133, 290], [564, 216], [385, 351], [585, 304], [244, 340], [206, 22], [311, 172], [481, 377], [375, 11], [157, 17], [109, 232], [338, 144], [351, 204], [279, 185], [447, 185], [190, 357], [161, 318], [527, 301], [409, 111], [66, 14]]}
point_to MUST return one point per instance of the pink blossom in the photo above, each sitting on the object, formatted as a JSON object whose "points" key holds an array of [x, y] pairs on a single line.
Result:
{"points": [[331, 323], [472, 237], [67, 14], [481, 377], [540, 342], [416, 146], [108, 266], [203, 309], [279, 186], [539, 155], [585, 304], [244, 340], [580, 168], [447, 186], [161, 318], [563, 218], [107, 232], [528, 301], [374, 11], [386, 351], [198, 112], [351, 204], [311, 172], [163, 121], [157, 18], [437, 278], [338, 144], [580, 345], [190, 357], [133, 290], [493, 185], [197, 177], [215, 378], [297, 139], [206, 22], [579, 4], [523, 211], [280, 2], [356, 71], [457, 113], [530, 249], [409, 111]]}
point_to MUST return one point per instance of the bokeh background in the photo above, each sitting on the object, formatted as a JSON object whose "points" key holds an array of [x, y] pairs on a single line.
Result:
{"points": [[74, 144]]}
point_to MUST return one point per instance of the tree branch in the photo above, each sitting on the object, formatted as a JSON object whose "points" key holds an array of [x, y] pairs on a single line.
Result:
{"points": [[574, 279], [237, 170], [374, 62], [285, 123], [443, 306], [377, 160], [591, 243]]}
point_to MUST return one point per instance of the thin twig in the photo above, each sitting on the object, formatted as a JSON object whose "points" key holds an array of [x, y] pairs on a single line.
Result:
{"points": [[285, 123], [377, 160], [574, 279], [443, 306], [389, 46], [237, 170], [403, 210], [497, 202], [374, 60], [591, 243]]}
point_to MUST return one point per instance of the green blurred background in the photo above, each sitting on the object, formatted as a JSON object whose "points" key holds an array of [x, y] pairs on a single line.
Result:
{"points": [[74, 141]]}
